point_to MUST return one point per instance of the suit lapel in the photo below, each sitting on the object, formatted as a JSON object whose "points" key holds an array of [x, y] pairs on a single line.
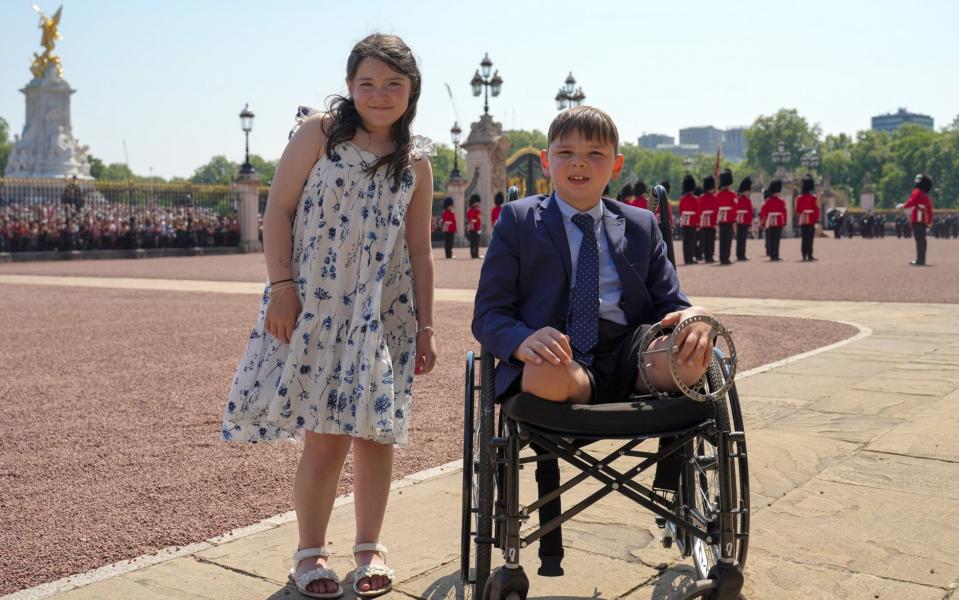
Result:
{"points": [[553, 219], [615, 225]]}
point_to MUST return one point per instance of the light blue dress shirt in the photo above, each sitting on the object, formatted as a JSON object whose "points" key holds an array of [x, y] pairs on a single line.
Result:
{"points": [[610, 287]]}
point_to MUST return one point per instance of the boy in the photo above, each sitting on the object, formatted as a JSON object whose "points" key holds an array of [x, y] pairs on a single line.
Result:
{"points": [[572, 281]]}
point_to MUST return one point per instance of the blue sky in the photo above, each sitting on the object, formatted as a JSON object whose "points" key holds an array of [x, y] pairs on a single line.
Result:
{"points": [[171, 77]]}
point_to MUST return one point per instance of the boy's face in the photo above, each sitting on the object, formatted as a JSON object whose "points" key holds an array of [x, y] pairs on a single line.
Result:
{"points": [[580, 168]]}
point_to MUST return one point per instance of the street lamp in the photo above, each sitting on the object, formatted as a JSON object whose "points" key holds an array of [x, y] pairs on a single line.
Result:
{"points": [[482, 82], [569, 95], [688, 163], [780, 157], [455, 134], [246, 123], [810, 159]]}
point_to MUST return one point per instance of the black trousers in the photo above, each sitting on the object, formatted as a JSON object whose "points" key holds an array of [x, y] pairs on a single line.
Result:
{"points": [[689, 245], [919, 230], [708, 235], [808, 233], [773, 235], [725, 242], [448, 243], [742, 232], [474, 244]]}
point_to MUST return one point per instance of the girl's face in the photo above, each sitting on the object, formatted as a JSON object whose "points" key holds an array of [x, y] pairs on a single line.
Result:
{"points": [[381, 94]]}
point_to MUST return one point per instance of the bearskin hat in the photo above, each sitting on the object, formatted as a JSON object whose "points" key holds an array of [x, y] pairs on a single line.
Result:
{"points": [[745, 185], [808, 184], [447, 202], [475, 199], [627, 190], [709, 183], [924, 182], [665, 184], [689, 184], [725, 178], [498, 199], [775, 186], [698, 191], [639, 188]]}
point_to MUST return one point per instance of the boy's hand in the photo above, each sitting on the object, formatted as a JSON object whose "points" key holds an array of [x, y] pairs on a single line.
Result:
{"points": [[695, 345], [546, 344]]}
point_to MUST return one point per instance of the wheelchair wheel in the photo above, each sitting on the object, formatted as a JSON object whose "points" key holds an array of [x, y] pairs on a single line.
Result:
{"points": [[478, 485], [700, 485]]}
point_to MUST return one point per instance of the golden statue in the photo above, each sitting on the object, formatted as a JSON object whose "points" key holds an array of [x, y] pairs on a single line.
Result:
{"points": [[49, 39]]}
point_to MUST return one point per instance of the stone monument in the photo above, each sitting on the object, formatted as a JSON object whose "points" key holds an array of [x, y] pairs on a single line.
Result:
{"points": [[47, 149], [486, 149]]}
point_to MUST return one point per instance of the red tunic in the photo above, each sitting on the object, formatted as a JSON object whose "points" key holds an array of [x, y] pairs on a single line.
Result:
{"points": [[726, 205], [744, 210], [640, 201], [494, 214], [449, 221], [707, 211], [773, 212], [689, 211], [474, 222], [921, 207], [807, 207]]}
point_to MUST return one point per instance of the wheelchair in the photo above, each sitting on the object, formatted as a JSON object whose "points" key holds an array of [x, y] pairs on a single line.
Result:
{"points": [[700, 494]]}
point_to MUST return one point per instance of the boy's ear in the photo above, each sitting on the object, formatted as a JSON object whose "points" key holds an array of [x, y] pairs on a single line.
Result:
{"points": [[544, 162], [618, 167]]}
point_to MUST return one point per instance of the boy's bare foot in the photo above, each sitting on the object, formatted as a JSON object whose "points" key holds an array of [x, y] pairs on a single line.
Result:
{"points": [[376, 582]]}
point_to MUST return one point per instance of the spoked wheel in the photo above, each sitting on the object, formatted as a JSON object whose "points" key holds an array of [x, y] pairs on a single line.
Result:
{"points": [[702, 477], [477, 512]]}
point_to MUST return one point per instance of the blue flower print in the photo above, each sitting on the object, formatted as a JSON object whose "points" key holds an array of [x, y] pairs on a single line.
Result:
{"points": [[300, 421], [305, 369], [321, 294], [382, 404], [339, 182], [282, 390]]}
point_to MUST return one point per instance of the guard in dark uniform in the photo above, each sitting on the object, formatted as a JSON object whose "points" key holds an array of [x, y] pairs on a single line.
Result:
{"points": [[807, 207], [920, 216], [726, 206], [707, 218], [688, 218], [744, 217], [773, 214]]}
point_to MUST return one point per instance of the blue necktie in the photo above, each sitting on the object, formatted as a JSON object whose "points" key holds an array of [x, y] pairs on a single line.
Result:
{"points": [[584, 300]]}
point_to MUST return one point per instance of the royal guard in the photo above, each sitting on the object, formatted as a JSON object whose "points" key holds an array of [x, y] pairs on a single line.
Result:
{"points": [[448, 218], [707, 218], [920, 215], [773, 215], [725, 216], [807, 207], [744, 217], [474, 223], [640, 199], [494, 214], [688, 218], [625, 194]]}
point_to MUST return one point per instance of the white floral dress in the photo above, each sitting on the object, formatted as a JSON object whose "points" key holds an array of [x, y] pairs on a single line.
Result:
{"points": [[349, 366]]}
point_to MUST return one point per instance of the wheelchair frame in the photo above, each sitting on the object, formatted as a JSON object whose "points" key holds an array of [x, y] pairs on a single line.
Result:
{"points": [[714, 532]]}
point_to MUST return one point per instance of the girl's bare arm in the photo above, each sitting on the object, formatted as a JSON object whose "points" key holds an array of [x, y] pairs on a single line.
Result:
{"points": [[301, 153], [418, 217]]}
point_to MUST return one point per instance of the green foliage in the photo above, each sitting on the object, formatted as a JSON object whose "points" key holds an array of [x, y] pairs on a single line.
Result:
{"points": [[116, 172], [5, 144], [521, 139], [442, 165], [218, 170], [96, 166], [788, 126], [265, 169]]}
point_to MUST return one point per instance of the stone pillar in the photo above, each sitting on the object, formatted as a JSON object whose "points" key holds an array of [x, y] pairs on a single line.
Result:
{"points": [[247, 186], [456, 189], [486, 149]]}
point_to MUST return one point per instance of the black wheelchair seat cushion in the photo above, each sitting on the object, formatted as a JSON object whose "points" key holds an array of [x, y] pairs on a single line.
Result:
{"points": [[642, 416]]}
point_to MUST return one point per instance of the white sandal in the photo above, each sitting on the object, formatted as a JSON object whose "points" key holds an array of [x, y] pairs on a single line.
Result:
{"points": [[370, 570], [314, 574]]}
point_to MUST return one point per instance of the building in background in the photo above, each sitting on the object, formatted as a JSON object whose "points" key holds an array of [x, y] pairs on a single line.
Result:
{"points": [[892, 121], [652, 141], [708, 138], [734, 143]]}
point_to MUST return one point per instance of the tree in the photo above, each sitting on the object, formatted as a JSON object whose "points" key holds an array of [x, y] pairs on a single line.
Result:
{"points": [[217, 170], [522, 139], [787, 126], [96, 166], [442, 165], [116, 172], [265, 169], [5, 144]]}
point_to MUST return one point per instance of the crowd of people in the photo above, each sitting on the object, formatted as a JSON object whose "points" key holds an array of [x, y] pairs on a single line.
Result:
{"points": [[65, 227]]}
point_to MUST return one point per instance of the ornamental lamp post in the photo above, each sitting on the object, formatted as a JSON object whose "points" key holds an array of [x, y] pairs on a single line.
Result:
{"points": [[455, 134], [569, 95], [780, 157], [688, 163], [246, 123], [810, 159], [483, 83]]}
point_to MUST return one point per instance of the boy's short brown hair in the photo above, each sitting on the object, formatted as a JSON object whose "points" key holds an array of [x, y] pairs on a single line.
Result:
{"points": [[590, 122]]}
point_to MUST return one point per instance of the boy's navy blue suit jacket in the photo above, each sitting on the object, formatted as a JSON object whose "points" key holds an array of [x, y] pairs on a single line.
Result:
{"points": [[525, 281]]}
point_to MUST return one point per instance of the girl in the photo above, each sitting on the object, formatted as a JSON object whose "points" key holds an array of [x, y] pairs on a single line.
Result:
{"points": [[347, 315]]}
